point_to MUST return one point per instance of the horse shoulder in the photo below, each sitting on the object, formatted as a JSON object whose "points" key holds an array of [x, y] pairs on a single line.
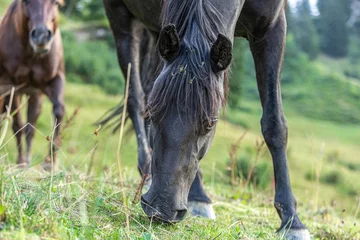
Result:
{"points": [[258, 15], [148, 12]]}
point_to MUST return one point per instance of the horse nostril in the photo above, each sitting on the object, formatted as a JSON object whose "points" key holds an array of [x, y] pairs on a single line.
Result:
{"points": [[49, 34], [180, 214], [33, 33]]}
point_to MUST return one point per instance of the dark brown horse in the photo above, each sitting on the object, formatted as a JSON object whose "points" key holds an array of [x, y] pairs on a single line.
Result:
{"points": [[31, 56], [195, 44]]}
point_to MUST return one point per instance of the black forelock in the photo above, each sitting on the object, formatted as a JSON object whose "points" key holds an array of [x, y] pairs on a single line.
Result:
{"points": [[188, 82]]}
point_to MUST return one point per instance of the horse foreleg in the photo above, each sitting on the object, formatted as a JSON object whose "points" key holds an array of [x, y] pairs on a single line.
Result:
{"points": [[128, 34], [55, 92], [268, 55], [16, 126], [34, 109]]}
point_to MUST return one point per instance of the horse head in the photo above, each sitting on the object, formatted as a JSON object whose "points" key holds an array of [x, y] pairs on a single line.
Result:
{"points": [[40, 19], [184, 107]]}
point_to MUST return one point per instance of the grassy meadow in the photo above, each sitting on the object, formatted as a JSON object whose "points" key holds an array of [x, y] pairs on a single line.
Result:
{"points": [[84, 199]]}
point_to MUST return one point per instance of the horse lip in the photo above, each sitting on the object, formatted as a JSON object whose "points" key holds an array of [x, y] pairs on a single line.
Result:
{"points": [[155, 215], [40, 49], [158, 218]]}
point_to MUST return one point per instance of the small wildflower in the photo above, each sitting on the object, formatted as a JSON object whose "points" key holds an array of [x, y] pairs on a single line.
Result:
{"points": [[96, 132], [182, 69]]}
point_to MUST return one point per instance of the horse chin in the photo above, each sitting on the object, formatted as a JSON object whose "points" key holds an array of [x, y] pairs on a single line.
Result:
{"points": [[40, 50]]}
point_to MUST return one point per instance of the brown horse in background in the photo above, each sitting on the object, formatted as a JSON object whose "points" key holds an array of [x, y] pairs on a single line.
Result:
{"points": [[31, 57]]}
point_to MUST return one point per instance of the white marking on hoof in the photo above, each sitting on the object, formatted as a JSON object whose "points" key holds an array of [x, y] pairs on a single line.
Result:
{"points": [[22, 165], [47, 166], [147, 185], [297, 234], [201, 209]]}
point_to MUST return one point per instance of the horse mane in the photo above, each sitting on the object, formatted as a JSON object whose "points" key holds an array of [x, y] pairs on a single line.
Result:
{"points": [[13, 19], [189, 82]]}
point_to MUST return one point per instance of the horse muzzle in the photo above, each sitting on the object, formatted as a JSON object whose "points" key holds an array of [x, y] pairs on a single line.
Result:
{"points": [[40, 39], [159, 212]]}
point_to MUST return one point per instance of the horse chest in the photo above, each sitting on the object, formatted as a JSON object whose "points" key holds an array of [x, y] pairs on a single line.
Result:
{"points": [[32, 73], [42, 73]]}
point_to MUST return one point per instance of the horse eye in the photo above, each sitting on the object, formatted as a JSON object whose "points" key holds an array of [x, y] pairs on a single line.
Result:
{"points": [[212, 123], [208, 125], [26, 1], [57, 3]]}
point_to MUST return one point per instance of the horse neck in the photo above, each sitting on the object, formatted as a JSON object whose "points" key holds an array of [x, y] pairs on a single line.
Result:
{"points": [[15, 25]]}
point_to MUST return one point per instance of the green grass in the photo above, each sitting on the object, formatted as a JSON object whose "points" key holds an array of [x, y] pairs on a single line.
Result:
{"points": [[84, 200]]}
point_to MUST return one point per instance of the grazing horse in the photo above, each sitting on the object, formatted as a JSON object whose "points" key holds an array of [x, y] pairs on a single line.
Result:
{"points": [[194, 41], [31, 56]]}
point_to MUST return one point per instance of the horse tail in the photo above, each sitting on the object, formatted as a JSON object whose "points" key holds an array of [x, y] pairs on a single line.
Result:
{"points": [[113, 117], [150, 67]]}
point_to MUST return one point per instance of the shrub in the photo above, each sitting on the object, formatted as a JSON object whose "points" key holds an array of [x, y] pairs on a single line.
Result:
{"points": [[93, 62], [310, 175], [333, 177], [353, 166], [262, 174], [333, 157], [352, 71]]}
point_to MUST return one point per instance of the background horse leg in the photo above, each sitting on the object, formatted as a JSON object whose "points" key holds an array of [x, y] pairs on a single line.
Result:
{"points": [[268, 55], [199, 204], [55, 92], [16, 126], [34, 109], [128, 33]]}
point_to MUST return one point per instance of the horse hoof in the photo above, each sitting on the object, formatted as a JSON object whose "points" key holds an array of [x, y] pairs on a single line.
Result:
{"points": [[297, 234], [22, 164], [201, 209], [147, 185], [48, 166]]}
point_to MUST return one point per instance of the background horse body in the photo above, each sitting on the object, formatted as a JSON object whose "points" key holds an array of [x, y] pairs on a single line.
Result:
{"points": [[31, 56], [195, 44]]}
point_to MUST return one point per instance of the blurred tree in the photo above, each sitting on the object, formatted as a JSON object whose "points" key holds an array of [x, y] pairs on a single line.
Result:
{"points": [[237, 72], [354, 20], [290, 19], [69, 7], [305, 32], [85, 9], [334, 35]]}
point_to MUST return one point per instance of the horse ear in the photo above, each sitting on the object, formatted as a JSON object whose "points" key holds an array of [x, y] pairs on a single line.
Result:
{"points": [[169, 43], [221, 54]]}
